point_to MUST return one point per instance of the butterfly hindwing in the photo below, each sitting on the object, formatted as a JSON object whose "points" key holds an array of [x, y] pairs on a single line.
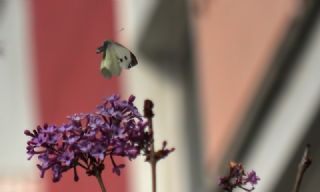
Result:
{"points": [[110, 64]]}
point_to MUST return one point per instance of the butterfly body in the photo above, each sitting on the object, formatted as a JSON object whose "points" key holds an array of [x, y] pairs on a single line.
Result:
{"points": [[115, 57]]}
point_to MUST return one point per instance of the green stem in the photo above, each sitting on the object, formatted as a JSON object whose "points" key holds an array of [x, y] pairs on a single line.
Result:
{"points": [[99, 178]]}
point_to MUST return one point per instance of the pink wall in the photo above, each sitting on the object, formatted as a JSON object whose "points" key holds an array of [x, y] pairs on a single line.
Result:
{"points": [[235, 41], [66, 35]]}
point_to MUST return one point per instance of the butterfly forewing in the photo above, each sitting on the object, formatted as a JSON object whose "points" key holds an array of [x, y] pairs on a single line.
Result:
{"points": [[124, 55]]}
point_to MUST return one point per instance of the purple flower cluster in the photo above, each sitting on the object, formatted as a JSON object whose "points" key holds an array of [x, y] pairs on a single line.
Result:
{"points": [[238, 178], [115, 129]]}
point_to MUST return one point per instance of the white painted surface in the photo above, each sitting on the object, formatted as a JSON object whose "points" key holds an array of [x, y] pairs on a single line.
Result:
{"points": [[145, 82], [288, 121], [17, 106]]}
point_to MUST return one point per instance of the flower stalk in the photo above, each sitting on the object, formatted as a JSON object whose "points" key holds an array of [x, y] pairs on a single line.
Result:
{"points": [[100, 181], [153, 161], [148, 113], [154, 156]]}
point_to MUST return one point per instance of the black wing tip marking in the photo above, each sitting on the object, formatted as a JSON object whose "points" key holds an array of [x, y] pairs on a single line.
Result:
{"points": [[134, 60]]}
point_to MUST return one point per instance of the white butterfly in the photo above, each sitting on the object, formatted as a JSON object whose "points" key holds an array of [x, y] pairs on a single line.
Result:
{"points": [[114, 57]]}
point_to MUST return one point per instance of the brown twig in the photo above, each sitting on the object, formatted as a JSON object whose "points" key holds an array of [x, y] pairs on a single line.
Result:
{"points": [[153, 160], [302, 167], [148, 113]]}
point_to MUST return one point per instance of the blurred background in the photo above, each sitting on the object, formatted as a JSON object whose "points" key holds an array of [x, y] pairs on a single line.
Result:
{"points": [[231, 80]]}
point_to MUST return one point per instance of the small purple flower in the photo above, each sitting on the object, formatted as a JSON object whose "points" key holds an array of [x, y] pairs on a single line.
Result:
{"points": [[95, 121], [98, 151], [65, 128], [50, 129], [237, 177], [113, 98], [85, 146], [66, 158], [40, 139], [132, 152], [76, 117], [44, 159], [53, 138], [72, 139], [120, 132], [106, 128], [57, 170], [119, 150], [252, 178], [90, 133]]}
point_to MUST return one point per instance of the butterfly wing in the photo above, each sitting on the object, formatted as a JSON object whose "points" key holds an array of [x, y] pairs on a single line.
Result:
{"points": [[126, 58], [110, 64], [115, 57]]}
